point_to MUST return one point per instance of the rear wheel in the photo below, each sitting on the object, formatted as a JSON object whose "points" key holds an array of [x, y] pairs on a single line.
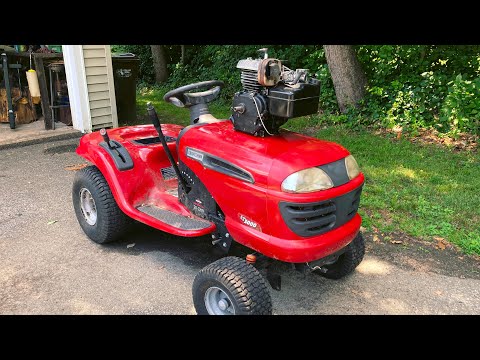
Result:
{"points": [[96, 210], [348, 261], [230, 286]]}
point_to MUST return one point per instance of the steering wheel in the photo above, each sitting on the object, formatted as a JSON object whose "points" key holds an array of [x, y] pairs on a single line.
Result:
{"points": [[181, 98]]}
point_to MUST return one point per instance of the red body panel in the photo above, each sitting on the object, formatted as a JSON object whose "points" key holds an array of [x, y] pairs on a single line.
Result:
{"points": [[269, 160], [143, 184]]}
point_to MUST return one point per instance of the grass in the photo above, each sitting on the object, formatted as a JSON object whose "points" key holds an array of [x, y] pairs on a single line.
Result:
{"points": [[422, 190], [167, 112]]}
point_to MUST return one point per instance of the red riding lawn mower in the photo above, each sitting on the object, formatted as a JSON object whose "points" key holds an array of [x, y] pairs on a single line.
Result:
{"points": [[284, 196]]}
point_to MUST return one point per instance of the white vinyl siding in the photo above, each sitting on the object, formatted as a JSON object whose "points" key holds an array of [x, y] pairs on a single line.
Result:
{"points": [[99, 95], [100, 86]]}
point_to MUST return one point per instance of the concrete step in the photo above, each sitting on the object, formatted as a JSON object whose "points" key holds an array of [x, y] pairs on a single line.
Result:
{"points": [[34, 133]]}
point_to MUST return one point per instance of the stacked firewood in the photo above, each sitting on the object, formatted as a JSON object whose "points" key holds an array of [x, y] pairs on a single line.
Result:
{"points": [[23, 106]]}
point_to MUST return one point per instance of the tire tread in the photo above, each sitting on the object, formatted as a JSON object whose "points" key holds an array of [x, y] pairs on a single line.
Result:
{"points": [[242, 280], [111, 221], [348, 261]]}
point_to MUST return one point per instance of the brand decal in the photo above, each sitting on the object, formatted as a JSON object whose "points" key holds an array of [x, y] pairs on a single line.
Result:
{"points": [[248, 222], [193, 154]]}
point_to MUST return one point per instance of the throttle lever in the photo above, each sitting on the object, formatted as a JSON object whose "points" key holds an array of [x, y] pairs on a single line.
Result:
{"points": [[106, 138]]}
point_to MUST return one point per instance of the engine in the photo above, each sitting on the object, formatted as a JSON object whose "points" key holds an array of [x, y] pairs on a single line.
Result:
{"points": [[272, 94]]}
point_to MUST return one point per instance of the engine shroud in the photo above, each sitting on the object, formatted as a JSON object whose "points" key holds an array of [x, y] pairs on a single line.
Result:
{"points": [[253, 107], [271, 95]]}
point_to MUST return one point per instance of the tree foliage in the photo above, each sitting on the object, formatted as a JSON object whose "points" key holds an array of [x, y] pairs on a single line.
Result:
{"points": [[411, 86], [422, 85]]}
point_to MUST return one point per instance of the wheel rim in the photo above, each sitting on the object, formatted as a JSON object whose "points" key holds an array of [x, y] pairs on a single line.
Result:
{"points": [[218, 302], [88, 207]]}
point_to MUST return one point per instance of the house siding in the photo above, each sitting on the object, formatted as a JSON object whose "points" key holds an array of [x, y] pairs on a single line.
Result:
{"points": [[100, 86]]}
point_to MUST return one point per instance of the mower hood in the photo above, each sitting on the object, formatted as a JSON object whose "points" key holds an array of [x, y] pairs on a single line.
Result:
{"points": [[270, 159]]}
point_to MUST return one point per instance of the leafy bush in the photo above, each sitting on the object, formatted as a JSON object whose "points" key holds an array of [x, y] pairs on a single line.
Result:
{"points": [[219, 62], [461, 107], [422, 86], [412, 86], [211, 62]]}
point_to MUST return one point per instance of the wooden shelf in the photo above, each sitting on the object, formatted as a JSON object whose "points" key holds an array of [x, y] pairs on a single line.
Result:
{"points": [[38, 55]]}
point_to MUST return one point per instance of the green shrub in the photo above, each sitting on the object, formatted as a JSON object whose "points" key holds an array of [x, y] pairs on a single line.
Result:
{"points": [[412, 86], [460, 110], [422, 86], [219, 62]]}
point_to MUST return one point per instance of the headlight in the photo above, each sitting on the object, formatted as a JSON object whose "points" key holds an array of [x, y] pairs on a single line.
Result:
{"points": [[307, 180], [352, 167]]}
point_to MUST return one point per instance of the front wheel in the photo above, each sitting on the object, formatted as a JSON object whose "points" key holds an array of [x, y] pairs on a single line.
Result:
{"points": [[348, 261], [230, 286]]}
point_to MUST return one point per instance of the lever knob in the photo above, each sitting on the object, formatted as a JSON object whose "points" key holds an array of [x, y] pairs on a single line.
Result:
{"points": [[106, 138]]}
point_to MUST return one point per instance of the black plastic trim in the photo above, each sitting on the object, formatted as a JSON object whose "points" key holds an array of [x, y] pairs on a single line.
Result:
{"points": [[337, 172], [218, 164], [119, 154], [185, 129], [152, 140], [311, 219]]}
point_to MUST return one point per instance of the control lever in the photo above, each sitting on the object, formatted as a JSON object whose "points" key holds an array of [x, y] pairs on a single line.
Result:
{"points": [[106, 138], [156, 124], [121, 157]]}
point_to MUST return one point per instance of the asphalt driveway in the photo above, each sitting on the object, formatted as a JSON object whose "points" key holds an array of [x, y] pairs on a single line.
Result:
{"points": [[48, 265]]}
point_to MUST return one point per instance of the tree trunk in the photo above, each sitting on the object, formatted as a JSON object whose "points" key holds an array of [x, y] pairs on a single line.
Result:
{"points": [[182, 58], [348, 77], [159, 63]]}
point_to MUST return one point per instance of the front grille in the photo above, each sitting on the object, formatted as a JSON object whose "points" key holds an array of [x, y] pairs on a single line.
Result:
{"points": [[310, 219]]}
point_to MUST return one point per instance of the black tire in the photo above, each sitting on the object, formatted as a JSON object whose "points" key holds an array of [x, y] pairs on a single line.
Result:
{"points": [[244, 285], [348, 261], [111, 222]]}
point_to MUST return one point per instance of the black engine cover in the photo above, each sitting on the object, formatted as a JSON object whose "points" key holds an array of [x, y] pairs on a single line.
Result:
{"points": [[293, 101], [247, 119], [274, 106]]}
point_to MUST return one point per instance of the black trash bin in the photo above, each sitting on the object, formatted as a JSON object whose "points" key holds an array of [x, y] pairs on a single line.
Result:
{"points": [[125, 74]]}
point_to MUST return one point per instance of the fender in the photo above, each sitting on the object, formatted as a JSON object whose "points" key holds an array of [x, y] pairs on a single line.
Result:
{"points": [[144, 183]]}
